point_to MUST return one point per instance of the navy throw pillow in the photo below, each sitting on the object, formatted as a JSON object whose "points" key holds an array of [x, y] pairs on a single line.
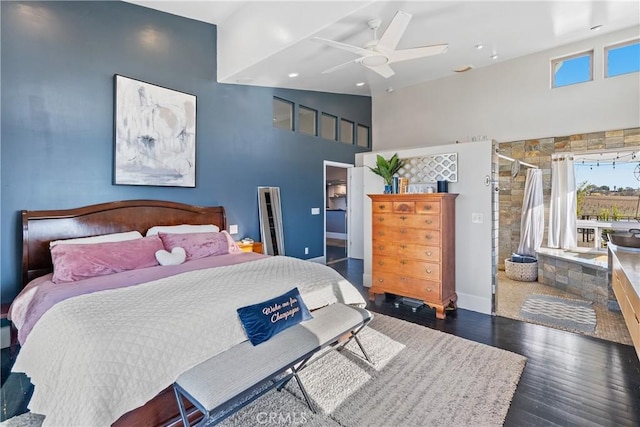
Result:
{"points": [[263, 320]]}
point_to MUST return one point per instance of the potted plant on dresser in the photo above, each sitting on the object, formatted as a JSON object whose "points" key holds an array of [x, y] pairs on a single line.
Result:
{"points": [[387, 168]]}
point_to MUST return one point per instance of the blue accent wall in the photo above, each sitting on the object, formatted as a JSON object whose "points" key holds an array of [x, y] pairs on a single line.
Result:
{"points": [[58, 61]]}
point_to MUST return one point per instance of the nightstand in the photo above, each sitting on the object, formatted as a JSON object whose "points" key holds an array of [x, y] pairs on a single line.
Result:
{"points": [[250, 247]]}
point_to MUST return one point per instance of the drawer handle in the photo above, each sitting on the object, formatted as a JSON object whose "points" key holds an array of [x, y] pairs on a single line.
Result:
{"points": [[381, 247], [403, 246], [403, 262], [380, 219], [427, 221], [427, 207], [428, 237], [380, 233], [403, 231], [380, 263], [380, 280], [428, 253], [402, 217], [404, 279], [428, 289], [428, 271], [381, 206]]}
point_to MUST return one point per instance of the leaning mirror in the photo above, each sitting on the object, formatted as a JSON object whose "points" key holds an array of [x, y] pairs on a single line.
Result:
{"points": [[270, 220]]}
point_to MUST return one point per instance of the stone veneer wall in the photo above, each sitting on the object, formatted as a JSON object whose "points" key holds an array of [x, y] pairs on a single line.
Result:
{"points": [[589, 282], [538, 152]]}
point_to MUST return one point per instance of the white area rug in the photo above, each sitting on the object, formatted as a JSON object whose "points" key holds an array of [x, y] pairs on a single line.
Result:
{"points": [[421, 377]]}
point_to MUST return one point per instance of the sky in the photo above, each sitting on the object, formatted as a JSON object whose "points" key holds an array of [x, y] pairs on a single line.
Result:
{"points": [[605, 174]]}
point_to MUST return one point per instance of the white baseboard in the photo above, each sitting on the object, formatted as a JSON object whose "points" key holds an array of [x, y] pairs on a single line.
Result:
{"points": [[5, 337], [366, 280], [474, 303]]}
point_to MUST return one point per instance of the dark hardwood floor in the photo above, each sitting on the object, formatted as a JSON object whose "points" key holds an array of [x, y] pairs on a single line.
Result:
{"points": [[569, 379]]}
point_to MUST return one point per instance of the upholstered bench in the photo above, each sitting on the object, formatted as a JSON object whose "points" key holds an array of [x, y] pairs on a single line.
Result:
{"points": [[245, 372]]}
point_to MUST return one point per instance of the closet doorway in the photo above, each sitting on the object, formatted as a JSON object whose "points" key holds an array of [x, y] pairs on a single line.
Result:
{"points": [[336, 221]]}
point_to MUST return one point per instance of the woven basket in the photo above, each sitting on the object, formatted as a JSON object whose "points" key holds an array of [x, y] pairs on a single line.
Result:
{"points": [[521, 271]]}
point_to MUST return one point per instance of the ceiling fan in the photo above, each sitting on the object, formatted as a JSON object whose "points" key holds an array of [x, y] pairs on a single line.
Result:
{"points": [[378, 54]]}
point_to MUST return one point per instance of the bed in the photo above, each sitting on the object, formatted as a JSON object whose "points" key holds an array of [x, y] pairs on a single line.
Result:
{"points": [[114, 344]]}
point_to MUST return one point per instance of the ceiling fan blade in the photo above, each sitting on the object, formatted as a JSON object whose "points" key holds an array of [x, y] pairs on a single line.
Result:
{"points": [[337, 67], [384, 70], [349, 48], [417, 52], [394, 31]]}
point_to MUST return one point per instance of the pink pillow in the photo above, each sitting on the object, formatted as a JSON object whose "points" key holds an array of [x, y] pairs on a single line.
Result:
{"points": [[196, 245], [77, 262]]}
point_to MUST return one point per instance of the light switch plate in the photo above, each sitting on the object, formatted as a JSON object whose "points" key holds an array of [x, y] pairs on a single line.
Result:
{"points": [[315, 211], [233, 229], [477, 218]]}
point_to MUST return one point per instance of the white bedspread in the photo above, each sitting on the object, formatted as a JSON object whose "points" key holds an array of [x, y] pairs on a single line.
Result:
{"points": [[94, 357]]}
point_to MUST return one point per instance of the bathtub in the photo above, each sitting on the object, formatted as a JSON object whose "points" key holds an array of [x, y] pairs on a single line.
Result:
{"points": [[582, 272]]}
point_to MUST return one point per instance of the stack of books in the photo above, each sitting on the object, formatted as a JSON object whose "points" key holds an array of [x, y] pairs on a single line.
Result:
{"points": [[400, 185]]}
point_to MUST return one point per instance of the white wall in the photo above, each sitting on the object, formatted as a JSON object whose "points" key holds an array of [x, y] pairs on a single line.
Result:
{"points": [[473, 241], [509, 101]]}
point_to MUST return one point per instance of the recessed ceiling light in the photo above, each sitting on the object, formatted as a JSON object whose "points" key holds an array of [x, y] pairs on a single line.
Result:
{"points": [[390, 89], [292, 75], [596, 28], [479, 46], [463, 68], [494, 56], [360, 84]]}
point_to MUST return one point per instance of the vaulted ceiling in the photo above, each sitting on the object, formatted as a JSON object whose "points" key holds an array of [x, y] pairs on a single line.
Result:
{"points": [[263, 42]]}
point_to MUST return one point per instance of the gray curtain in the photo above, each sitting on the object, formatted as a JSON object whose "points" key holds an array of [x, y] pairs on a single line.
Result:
{"points": [[532, 220]]}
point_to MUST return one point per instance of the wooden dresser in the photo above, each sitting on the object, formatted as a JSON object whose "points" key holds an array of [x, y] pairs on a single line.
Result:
{"points": [[414, 248]]}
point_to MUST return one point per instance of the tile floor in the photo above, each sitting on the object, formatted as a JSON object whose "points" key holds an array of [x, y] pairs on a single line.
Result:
{"points": [[511, 294]]}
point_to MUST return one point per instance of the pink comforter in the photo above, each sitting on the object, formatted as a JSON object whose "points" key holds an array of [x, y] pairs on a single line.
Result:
{"points": [[41, 294]]}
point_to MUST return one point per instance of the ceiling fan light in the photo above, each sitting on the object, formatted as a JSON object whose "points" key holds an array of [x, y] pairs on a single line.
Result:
{"points": [[374, 60]]}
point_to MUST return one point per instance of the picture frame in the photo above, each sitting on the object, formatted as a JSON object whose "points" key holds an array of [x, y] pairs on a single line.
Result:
{"points": [[154, 135]]}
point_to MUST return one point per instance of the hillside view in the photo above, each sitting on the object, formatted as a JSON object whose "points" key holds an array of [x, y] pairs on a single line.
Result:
{"points": [[606, 204]]}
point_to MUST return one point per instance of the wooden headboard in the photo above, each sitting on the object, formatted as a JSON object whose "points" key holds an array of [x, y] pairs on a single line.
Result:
{"points": [[41, 227]]}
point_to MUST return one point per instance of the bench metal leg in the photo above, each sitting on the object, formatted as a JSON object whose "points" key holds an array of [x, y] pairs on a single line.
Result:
{"points": [[183, 411], [304, 393], [364, 352]]}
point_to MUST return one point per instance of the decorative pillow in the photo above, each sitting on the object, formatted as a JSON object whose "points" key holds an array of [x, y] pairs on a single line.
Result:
{"points": [[263, 320], [113, 237], [184, 228], [81, 261], [196, 245], [175, 257], [233, 246]]}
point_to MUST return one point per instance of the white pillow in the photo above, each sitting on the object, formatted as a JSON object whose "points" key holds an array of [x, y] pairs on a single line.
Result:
{"points": [[177, 256], [182, 229], [113, 237]]}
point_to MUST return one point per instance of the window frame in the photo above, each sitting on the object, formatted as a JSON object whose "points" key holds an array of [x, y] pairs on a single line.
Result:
{"points": [[353, 128], [315, 120], [368, 129], [613, 46], [291, 105], [335, 126], [554, 61]]}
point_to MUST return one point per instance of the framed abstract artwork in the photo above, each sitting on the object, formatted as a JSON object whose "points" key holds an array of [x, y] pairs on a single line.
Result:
{"points": [[155, 135]]}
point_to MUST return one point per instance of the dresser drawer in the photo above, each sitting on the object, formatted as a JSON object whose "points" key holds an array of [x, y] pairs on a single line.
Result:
{"points": [[406, 250], [379, 206], [408, 267], [407, 207], [409, 220], [428, 207], [406, 234], [397, 284]]}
